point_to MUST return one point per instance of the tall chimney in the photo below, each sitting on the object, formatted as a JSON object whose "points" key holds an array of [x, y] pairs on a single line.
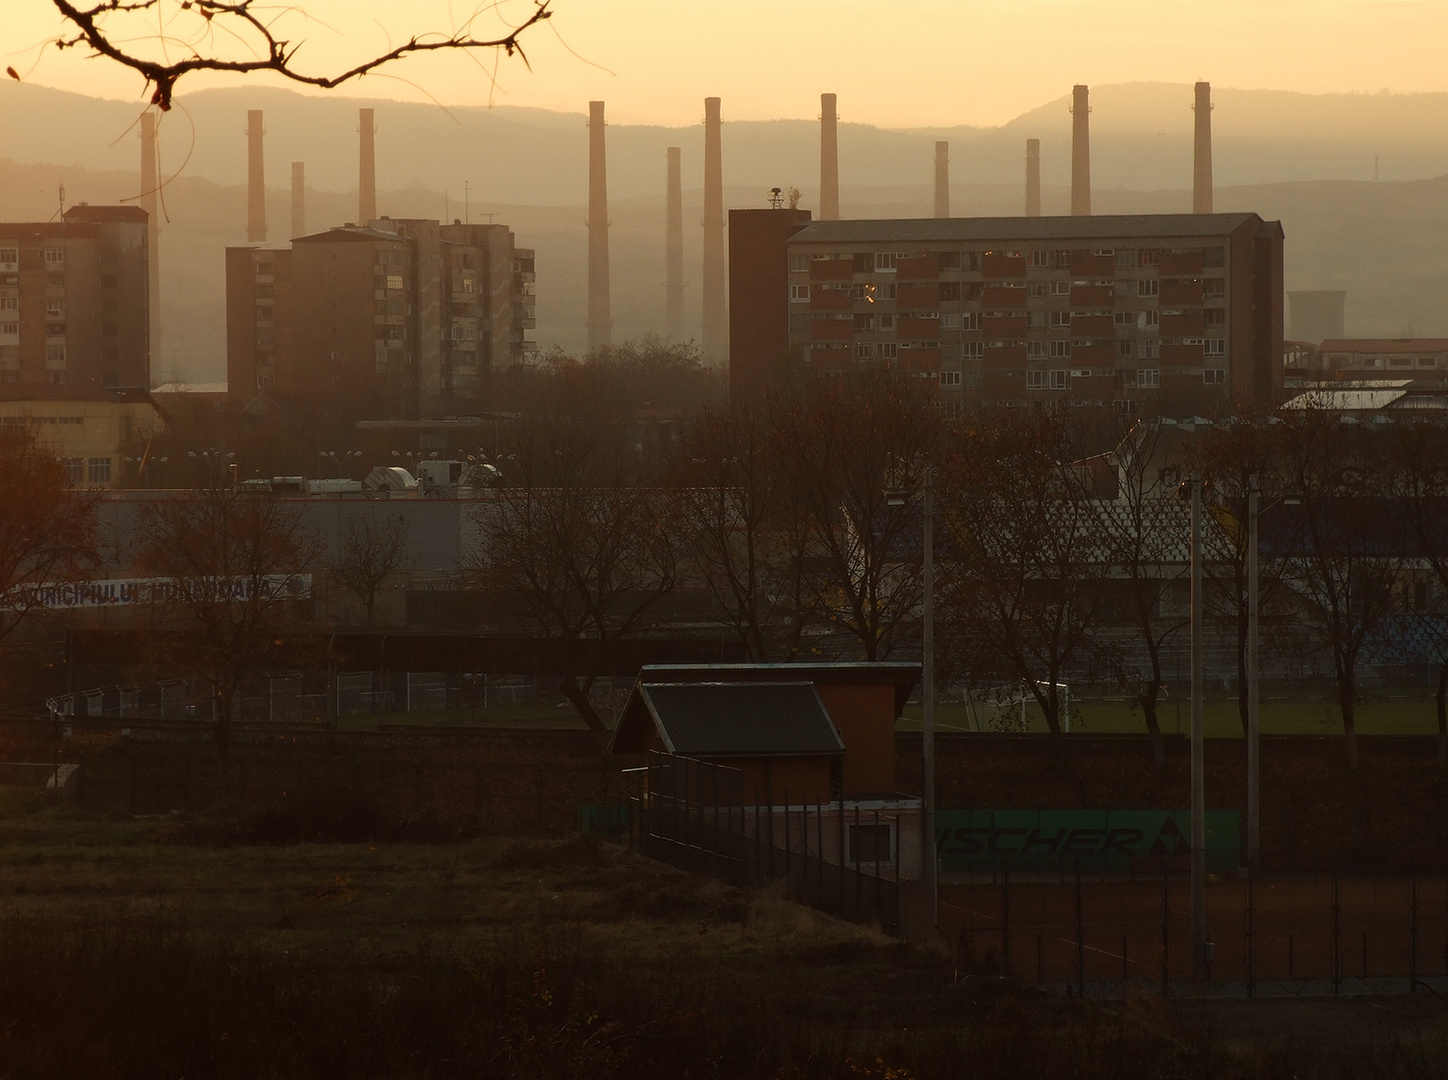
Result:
{"points": [[299, 198], [1033, 178], [942, 179], [1202, 159], [674, 249], [366, 171], [716, 303], [600, 318], [1080, 151], [255, 180], [150, 202], [829, 159]]}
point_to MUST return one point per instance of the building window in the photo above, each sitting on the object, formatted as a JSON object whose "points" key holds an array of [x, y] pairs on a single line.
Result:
{"points": [[1214, 288], [887, 350], [887, 321], [950, 378], [885, 262], [799, 264], [1060, 350], [1148, 349], [10, 329], [1035, 350], [889, 292], [1215, 348], [1060, 288], [970, 320], [864, 321], [394, 281], [950, 321], [973, 350], [1059, 379], [1148, 378], [55, 355], [1124, 350], [9, 303], [98, 470], [1214, 376], [9, 258], [1061, 318], [1148, 320], [872, 843], [75, 470], [1037, 320], [1037, 259], [799, 294], [864, 351], [1148, 287], [54, 256]]}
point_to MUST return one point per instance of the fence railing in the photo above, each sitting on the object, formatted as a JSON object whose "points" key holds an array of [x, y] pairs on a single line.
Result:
{"points": [[697, 816], [1323, 934]]}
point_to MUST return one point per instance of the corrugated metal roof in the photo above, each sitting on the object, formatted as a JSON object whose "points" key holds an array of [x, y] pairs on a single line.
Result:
{"points": [[1384, 345], [741, 719], [1093, 227], [1345, 400]]}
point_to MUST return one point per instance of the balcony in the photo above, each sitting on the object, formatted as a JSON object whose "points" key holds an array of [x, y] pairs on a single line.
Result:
{"points": [[995, 264], [1180, 293], [830, 270], [1187, 324], [831, 329], [1084, 264], [1004, 326], [918, 268], [1181, 356], [1183, 262], [923, 297], [1093, 355], [1003, 296], [1010, 357], [830, 300], [1093, 296], [908, 327], [1093, 326]]}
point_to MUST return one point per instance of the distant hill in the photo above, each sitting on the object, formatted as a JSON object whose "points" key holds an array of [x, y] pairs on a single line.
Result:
{"points": [[1307, 160]]}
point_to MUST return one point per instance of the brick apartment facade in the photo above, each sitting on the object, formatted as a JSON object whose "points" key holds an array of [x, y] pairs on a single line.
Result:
{"points": [[75, 299], [1173, 313], [402, 319]]}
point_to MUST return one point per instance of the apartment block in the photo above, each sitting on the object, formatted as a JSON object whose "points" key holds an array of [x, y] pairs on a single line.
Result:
{"points": [[75, 299], [1169, 313], [402, 318]]}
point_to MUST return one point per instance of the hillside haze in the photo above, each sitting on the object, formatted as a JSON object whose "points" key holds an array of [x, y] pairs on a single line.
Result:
{"points": [[1308, 160]]}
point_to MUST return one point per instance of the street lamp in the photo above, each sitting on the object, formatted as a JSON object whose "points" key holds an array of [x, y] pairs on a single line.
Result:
{"points": [[929, 869]]}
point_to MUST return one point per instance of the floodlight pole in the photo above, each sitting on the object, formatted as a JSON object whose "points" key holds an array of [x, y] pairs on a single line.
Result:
{"points": [[1199, 830], [1254, 759], [929, 868]]}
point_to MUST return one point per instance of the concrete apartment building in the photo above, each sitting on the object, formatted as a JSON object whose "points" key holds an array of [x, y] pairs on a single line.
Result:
{"points": [[403, 318], [75, 299], [1140, 313], [90, 428]]}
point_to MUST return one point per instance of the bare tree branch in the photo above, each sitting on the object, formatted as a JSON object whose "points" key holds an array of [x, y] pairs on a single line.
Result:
{"points": [[244, 20]]}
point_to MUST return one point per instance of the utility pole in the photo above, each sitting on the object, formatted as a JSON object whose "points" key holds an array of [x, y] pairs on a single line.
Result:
{"points": [[1254, 760], [930, 869], [1199, 828]]}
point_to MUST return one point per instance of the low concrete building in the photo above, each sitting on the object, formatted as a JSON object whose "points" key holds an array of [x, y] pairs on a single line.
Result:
{"points": [[89, 427]]}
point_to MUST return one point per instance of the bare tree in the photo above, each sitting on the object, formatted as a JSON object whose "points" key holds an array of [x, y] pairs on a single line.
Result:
{"points": [[241, 36], [1344, 548], [372, 548], [1230, 455], [579, 544], [47, 527], [1419, 451], [736, 526], [852, 442], [1144, 557], [233, 562], [1022, 548]]}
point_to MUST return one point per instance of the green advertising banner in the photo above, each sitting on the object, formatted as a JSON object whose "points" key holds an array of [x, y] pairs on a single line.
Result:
{"points": [[1101, 841]]}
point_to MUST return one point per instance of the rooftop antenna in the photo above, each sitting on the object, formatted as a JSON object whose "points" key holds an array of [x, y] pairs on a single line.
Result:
{"points": [[61, 211], [776, 199]]}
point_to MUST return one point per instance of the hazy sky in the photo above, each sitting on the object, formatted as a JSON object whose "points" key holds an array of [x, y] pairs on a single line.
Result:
{"points": [[893, 62]]}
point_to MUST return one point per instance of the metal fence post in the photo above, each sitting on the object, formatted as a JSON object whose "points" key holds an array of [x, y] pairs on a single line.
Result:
{"points": [[1005, 915], [1165, 930], [1413, 925], [1251, 932], [788, 854], [1336, 933], [1080, 934], [855, 856]]}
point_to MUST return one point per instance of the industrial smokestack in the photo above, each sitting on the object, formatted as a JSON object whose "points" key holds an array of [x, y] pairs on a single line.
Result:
{"points": [[255, 180], [366, 170], [716, 303], [674, 249], [829, 159], [1080, 151], [600, 318], [942, 179], [1033, 178], [150, 202], [299, 199], [1202, 159]]}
